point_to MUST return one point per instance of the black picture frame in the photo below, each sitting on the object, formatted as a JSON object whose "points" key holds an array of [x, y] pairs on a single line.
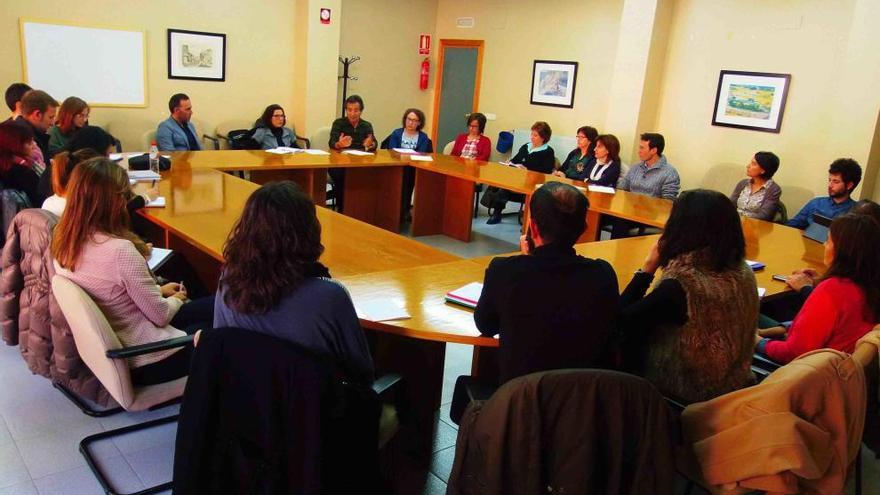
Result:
{"points": [[541, 67], [748, 111], [184, 65]]}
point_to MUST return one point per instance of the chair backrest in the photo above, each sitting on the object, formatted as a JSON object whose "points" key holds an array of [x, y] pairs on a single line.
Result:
{"points": [[147, 138], [320, 138], [781, 215], [94, 337], [447, 150], [223, 128]]}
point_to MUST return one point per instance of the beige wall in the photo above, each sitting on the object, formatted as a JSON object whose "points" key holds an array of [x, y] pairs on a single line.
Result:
{"points": [[823, 119], [388, 71], [518, 32], [260, 46]]}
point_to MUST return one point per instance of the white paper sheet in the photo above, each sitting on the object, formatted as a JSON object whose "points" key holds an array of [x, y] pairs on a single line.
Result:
{"points": [[157, 257], [315, 152], [421, 158], [405, 151], [381, 311], [143, 175], [357, 153], [600, 189]]}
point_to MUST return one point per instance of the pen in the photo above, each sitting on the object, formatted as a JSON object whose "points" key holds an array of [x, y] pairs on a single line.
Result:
{"points": [[182, 288], [154, 184]]}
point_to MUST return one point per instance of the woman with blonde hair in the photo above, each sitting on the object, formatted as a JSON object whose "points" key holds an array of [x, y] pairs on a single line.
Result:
{"points": [[94, 247]]}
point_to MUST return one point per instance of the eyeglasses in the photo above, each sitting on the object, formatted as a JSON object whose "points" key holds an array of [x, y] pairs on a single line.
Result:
{"points": [[278, 116], [413, 120]]}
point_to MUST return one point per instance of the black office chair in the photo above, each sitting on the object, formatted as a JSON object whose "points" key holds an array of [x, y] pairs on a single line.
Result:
{"points": [[781, 215], [260, 415]]}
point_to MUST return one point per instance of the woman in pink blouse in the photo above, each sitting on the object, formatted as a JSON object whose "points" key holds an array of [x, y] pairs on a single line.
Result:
{"points": [[94, 247], [473, 144]]}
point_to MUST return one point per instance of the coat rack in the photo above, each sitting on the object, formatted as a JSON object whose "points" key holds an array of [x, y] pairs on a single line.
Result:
{"points": [[346, 63]]}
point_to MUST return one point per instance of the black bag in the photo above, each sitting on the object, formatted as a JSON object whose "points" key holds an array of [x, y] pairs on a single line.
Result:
{"points": [[494, 197], [142, 162], [243, 139]]}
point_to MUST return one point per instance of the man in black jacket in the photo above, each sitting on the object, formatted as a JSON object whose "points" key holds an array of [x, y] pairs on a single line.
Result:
{"points": [[38, 111], [550, 307]]}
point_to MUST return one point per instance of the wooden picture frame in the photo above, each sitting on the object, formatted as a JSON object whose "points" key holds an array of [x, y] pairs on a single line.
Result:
{"points": [[553, 83], [751, 100], [196, 55]]}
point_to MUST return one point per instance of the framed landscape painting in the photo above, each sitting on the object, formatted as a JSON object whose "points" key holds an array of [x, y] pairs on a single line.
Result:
{"points": [[751, 100], [553, 83]]}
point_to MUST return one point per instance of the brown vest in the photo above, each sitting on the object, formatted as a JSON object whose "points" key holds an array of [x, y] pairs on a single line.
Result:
{"points": [[711, 353]]}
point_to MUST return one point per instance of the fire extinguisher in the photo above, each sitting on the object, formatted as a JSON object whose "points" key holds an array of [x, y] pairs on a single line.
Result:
{"points": [[423, 76]]}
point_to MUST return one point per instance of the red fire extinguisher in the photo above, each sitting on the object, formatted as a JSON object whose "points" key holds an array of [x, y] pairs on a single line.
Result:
{"points": [[423, 76]]}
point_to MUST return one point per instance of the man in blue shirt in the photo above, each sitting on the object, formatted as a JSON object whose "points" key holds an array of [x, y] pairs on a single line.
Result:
{"points": [[844, 175], [177, 133]]}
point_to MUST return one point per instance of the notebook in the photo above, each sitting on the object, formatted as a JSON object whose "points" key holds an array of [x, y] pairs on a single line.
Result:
{"points": [[158, 256], [466, 296], [755, 265], [143, 175], [818, 230], [157, 203]]}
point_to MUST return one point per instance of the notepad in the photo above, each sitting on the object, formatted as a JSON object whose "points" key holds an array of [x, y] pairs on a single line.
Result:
{"points": [[143, 175], [381, 311], [466, 296], [405, 151], [157, 203], [116, 157], [600, 189], [357, 153], [315, 152], [755, 265], [158, 256], [421, 158]]}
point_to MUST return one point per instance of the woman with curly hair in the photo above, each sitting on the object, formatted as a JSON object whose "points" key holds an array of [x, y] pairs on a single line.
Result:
{"points": [[273, 283]]}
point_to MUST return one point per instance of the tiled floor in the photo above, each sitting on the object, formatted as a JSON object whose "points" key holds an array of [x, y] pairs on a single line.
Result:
{"points": [[40, 430]]}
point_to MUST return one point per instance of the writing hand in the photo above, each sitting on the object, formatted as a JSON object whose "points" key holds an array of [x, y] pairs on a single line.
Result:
{"points": [[369, 142], [798, 281], [524, 244], [170, 289]]}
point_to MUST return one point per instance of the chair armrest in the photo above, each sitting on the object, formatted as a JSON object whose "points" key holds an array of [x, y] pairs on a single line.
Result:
{"points": [[386, 382], [764, 363], [305, 140], [213, 139], [137, 350]]}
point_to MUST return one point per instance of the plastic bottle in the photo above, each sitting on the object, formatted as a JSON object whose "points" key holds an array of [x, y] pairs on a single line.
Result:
{"points": [[154, 157]]}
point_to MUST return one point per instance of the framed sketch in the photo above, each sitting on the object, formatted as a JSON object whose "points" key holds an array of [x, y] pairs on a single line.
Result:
{"points": [[196, 55], [751, 100], [553, 83]]}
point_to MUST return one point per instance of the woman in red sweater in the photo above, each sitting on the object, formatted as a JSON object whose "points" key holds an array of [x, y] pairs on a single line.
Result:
{"points": [[845, 305], [473, 144]]}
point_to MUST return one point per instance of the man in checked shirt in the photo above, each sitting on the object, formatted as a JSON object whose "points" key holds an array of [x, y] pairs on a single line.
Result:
{"points": [[653, 176]]}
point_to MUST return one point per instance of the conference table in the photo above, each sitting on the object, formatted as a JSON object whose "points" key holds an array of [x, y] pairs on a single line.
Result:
{"points": [[444, 189], [378, 266]]}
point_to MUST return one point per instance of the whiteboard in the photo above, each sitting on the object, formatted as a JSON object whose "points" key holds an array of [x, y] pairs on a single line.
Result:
{"points": [[103, 66]]}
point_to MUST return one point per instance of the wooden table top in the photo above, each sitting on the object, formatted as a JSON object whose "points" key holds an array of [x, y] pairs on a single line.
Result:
{"points": [[644, 209], [421, 290], [203, 205]]}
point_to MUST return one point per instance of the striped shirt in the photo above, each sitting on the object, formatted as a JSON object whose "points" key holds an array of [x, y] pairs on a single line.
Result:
{"points": [[659, 180]]}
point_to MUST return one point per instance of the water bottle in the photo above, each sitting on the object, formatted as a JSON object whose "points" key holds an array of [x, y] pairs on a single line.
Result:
{"points": [[154, 157]]}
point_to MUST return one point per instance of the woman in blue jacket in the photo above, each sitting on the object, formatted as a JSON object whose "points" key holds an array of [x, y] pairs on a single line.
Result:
{"points": [[271, 131], [410, 137]]}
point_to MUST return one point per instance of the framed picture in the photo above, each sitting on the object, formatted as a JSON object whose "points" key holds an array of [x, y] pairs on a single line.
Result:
{"points": [[751, 100], [553, 83], [196, 55]]}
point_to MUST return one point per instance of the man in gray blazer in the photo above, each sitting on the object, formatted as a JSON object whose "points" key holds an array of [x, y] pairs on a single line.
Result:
{"points": [[177, 133]]}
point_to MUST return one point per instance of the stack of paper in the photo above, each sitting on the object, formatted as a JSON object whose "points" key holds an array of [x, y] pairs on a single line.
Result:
{"points": [[421, 158], [315, 152], [405, 151], [356, 153], [466, 296], [157, 203], [601, 189], [284, 150], [143, 175]]}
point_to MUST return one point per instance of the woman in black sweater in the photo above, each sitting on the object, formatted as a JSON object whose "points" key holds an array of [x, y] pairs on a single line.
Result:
{"points": [[536, 156]]}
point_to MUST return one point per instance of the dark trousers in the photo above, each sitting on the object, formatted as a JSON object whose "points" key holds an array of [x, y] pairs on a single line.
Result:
{"points": [[338, 177], [194, 315], [409, 184]]}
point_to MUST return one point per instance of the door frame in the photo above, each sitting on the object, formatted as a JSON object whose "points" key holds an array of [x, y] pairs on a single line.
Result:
{"points": [[438, 81]]}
